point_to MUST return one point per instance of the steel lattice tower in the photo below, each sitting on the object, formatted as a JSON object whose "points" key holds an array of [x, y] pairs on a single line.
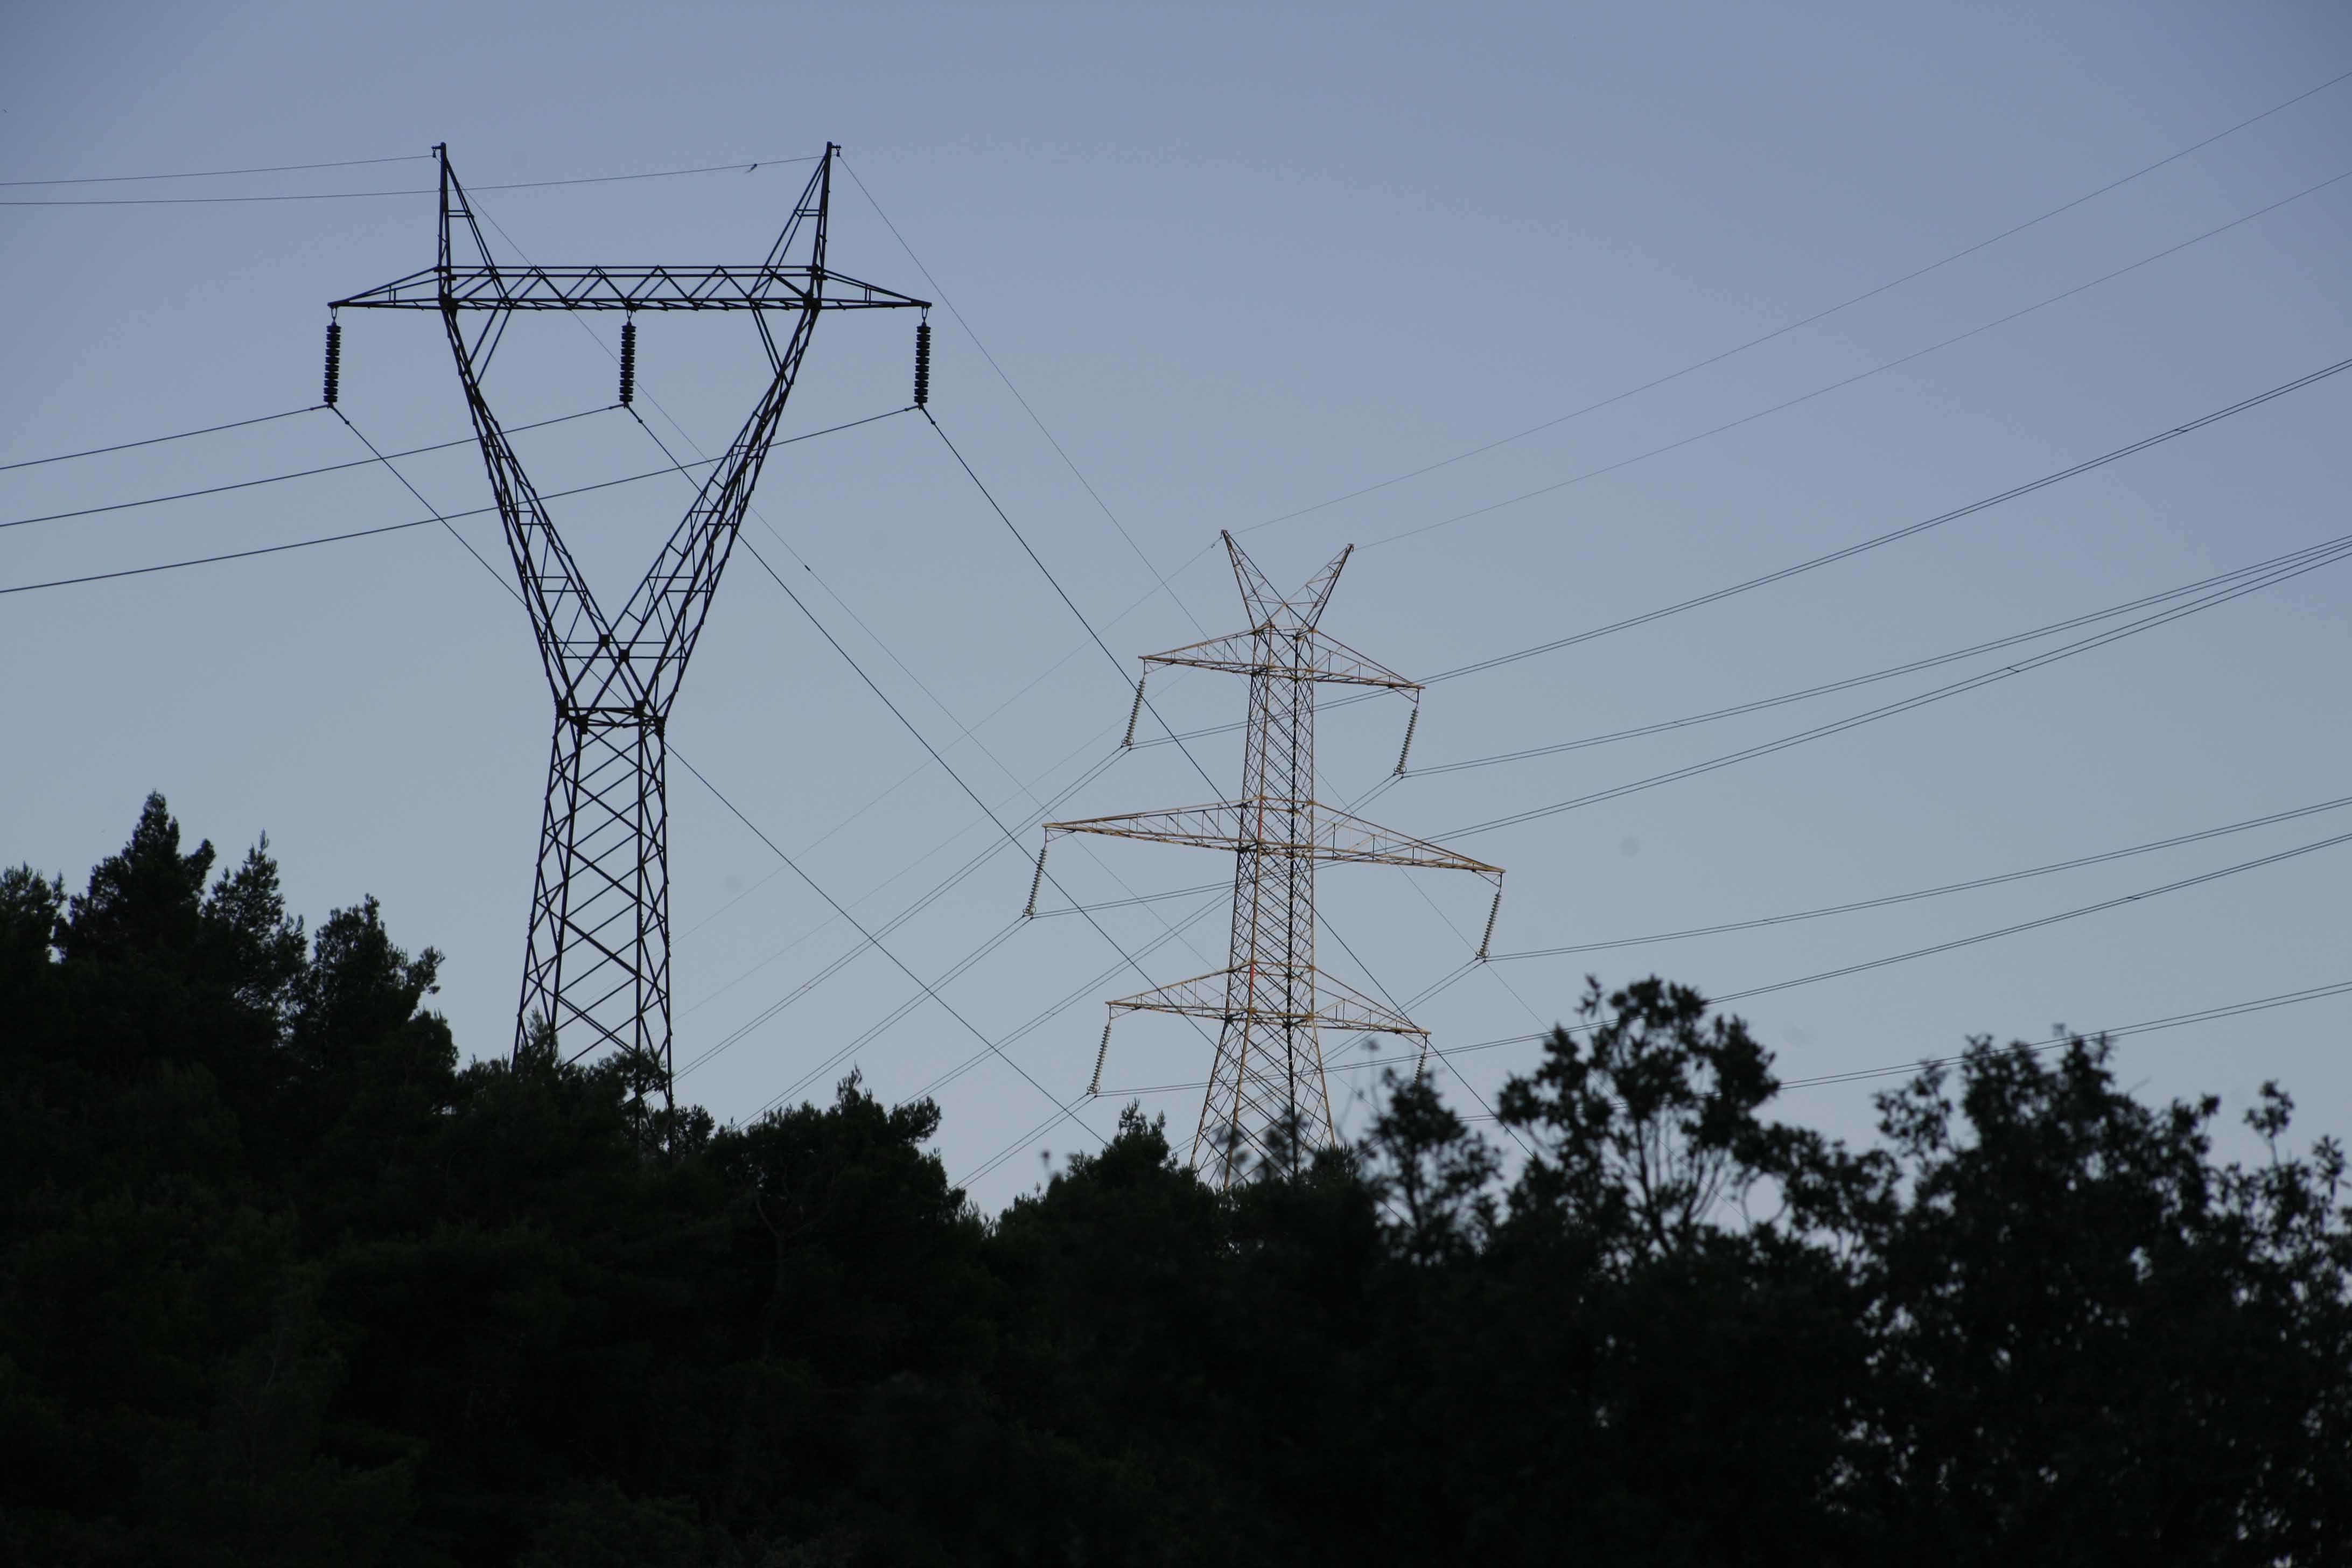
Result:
{"points": [[598, 970], [1268, 1103]]}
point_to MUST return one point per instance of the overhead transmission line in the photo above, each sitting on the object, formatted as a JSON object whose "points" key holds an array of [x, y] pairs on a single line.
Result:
{"points": [[158, 440], [281, 478], [742, 165], [219, 174], [1910, 667], [1594, 473], [2300, 562], [2110, 1031], [921, 739], [1812, 564], [443, 518], [926, 990], [1841, 971], [1844, 552], [1782, 330], [1942, 889], [923, 985], [1903, 705], [1160, 579]]}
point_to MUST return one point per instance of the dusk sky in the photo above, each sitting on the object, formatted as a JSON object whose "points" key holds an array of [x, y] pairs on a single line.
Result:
{"points": [[1246, 267]]}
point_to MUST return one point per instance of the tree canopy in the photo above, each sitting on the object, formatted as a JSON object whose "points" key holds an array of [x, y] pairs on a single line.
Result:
{"points": [[284, 1281]]}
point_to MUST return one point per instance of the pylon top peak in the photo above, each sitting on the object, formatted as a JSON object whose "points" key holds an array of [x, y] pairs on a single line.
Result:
{"points": [[1270, 610]]}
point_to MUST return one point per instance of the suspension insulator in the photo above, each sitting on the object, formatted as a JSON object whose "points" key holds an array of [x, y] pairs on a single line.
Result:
{"points": [[1036, 882], [1406, 750], [1136, 711], [334, 383], [922, 363], [628, 362], [1094, 1084]]}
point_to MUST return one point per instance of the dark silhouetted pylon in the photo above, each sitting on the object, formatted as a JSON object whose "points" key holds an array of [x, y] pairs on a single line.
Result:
{"points": [[1268, 1103], [597, 971]]}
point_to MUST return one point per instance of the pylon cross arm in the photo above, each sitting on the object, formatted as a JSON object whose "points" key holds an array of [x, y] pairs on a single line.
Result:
{"points": [[750, 286], [1304, 655], [1245, 824], [1341, 838], [1335, 1005]]}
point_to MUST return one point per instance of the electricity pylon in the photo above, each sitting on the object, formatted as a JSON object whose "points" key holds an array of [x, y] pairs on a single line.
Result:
{"points": [[1268, 1103], [597, 966]]}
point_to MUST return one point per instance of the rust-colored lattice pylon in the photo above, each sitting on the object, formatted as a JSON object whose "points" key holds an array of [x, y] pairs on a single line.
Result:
{"points": [[1268, 1104]]}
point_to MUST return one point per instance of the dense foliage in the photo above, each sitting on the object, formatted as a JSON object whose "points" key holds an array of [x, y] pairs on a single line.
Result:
{"points": [[282, 1282]]}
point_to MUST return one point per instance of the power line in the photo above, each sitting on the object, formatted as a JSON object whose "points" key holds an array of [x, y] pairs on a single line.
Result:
{"points": [[897, 713], [2113, 1032], [871, 941], [219, 174], [1715, 595], [1813, 563], [157, 440], [280, 478], [1911, 667], [745, 166], [1595, 473], [389, 528], [1054, 583], [1160, 579], [1805, 322], [1934, 694], [1886, 900], [1843, 971]]}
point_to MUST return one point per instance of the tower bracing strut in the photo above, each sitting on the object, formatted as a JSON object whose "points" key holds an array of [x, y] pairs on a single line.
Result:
{"points": [[1268, 1105], [596, 974]]}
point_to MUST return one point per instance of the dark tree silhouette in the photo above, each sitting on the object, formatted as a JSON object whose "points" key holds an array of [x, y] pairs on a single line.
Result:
{"points": [[283, 1281]]}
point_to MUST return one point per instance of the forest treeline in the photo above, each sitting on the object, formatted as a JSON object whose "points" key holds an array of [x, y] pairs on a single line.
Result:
{"points": [[284, 1281]]}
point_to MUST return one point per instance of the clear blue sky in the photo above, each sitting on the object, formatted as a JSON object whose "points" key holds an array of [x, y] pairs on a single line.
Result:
{"points": [[1241, 261]]}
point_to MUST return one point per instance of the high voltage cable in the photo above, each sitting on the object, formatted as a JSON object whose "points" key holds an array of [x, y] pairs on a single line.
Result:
{"points": [[1715, 595], [218, 174], [927, 991], [1805, 322], [1844, 970], [1934, 694], [884, 928], [1095, 637], [1069, 999], [1595, 473], [1160, 578], [920, 984], [745, 166], [906, 723], [280, 478], [2112, 1031], [396, 527], [158, 440], [463, 542], [1911, 667], [1812, 564], [1198, 556], [1935, 892], [939, 890], [872, 942]]}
